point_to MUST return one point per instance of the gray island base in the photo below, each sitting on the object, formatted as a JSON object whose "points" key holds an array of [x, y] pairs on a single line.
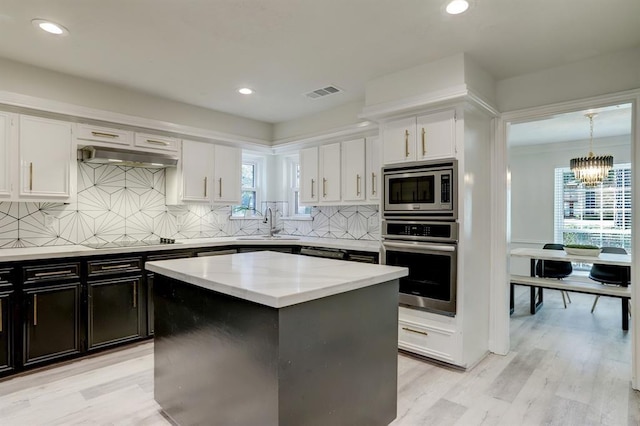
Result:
{"points": [[224, 360]]}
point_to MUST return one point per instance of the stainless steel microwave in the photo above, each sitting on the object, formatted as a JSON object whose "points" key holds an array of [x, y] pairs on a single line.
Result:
{"points": [[423, 188]]}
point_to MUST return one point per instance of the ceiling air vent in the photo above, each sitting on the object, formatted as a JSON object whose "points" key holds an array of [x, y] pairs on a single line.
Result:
{"points": [[325, 91]]}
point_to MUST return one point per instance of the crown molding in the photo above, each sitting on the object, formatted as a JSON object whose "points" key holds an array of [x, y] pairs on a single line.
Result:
{"points": [[72, 112], [361, 129]]}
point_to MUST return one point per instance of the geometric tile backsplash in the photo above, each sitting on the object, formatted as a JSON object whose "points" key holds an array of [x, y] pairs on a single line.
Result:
{"points": [[117, 203]]}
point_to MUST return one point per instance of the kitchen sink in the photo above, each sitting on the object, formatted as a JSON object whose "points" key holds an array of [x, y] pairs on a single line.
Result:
{"points": [[266, 238]]}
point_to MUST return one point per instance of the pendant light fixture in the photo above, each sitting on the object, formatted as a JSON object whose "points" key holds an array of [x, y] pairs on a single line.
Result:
{"points": [[591, 170]]}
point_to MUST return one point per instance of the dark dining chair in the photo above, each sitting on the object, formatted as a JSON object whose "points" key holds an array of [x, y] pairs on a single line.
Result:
{"points": [[555, 269], [610, 274]]}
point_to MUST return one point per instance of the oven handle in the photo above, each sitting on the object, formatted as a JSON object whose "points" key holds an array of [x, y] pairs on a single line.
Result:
{"points": [[421, 246]]}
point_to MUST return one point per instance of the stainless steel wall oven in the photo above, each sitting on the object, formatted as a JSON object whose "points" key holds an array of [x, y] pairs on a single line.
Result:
{"points": [[420, 232]]}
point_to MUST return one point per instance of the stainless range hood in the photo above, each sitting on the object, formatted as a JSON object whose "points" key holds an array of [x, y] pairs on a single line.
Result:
{"points": [[125, 157]]}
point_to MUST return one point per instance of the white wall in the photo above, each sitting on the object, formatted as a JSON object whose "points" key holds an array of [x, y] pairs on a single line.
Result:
{"points": [[38, 82], [532, 186], [334, 118], [611, 73]]}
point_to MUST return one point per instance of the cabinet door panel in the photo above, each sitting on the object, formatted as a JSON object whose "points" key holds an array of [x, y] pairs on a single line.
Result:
{"points": [[45, 157], [309, 175], [52, 322], [399, 140], [330, 173], [353, 170], [373, 168], [436, 135], [197, 171], [114, 310], [228, 174], [5, 161], [6, 346]]}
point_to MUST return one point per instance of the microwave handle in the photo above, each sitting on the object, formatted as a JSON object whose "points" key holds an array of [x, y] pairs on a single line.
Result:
{"points": [[421, 246]]}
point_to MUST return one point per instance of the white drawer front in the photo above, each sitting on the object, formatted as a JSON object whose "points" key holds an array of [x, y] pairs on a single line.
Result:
{"points": [[165, 143], [428, 341], [89, 132]]}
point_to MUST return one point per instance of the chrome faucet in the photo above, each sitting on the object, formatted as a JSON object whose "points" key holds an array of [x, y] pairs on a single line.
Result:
{"points": [[269, 219]]}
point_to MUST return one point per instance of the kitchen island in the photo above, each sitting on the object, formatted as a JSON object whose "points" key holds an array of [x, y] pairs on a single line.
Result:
{"points": [[276, 339]]}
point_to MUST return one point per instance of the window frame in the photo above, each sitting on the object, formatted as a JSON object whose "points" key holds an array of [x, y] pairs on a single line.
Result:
{"points": [[293, 188], [589, 202], [258, 162]]}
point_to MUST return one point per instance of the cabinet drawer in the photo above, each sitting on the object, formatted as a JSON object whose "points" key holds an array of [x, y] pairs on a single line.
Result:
{"points": [[51, 272], [6, 276], [165, 143], [113, 266], [89, 132], [170, 255], [430, 341]]}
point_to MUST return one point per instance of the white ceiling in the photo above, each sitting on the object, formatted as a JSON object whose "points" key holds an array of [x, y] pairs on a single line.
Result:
{"points": [[201, 51], [610, 121]]}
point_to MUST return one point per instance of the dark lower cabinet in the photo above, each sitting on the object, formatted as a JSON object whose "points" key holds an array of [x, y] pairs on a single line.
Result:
{"points": [[150, 307], [6, 331], [114, 311], [51, 328]]}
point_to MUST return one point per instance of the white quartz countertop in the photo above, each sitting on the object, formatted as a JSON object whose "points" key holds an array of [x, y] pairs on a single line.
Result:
{"points": [[275, 279], [51, 252]]}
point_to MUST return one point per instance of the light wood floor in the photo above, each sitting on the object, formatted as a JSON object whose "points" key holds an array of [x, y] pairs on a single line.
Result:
{"points": [[567, 367]]}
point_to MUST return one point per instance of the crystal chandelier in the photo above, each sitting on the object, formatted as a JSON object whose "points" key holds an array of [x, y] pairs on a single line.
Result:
{"points": [[591, 170]]}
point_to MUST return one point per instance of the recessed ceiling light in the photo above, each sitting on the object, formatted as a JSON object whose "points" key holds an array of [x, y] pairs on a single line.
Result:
{"points": [[456, 7], [245, 91], [50, 27]]}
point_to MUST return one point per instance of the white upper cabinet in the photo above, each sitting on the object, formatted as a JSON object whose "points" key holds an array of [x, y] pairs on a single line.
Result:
{"points": [[309, 175], [227, 175], [45, 158], [399, 138], [353, 170], [6, 135], [426, 137], [373, 167], [196, 168], [88, 134], [329, 172], [164, 143], [436, 135]]}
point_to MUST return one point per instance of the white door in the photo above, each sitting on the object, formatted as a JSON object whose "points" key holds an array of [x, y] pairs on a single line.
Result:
{"points": [[197, 171], [373, 168], [436, 135], [329, 172], [227, 174], [5, 146], [399, 140], [353, 170], [45, 157], [309, 175]]}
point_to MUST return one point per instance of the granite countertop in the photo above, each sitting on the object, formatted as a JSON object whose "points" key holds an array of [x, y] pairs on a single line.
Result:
{"points": [[275, 279], [51, 252]]}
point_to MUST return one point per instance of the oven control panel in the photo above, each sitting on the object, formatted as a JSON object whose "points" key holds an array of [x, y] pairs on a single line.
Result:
{"points": [[435, 231]]}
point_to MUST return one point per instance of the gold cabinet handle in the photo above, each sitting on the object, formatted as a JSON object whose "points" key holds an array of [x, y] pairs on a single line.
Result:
{"points": [[205, 186], [220, 190], [108, 267], [424, 148], [358, 185], [30, 176], [1, 317], [373, 183], [156, 142], [415, 331], [406, 143], [135, 294], [35, 309], [48, 274], [105, 135], [313, 181], [324, 188]]}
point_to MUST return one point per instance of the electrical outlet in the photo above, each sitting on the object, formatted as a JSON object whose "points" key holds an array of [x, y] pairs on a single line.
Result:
{"points": [[180, 219], [49, 220], [373, 222]]}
